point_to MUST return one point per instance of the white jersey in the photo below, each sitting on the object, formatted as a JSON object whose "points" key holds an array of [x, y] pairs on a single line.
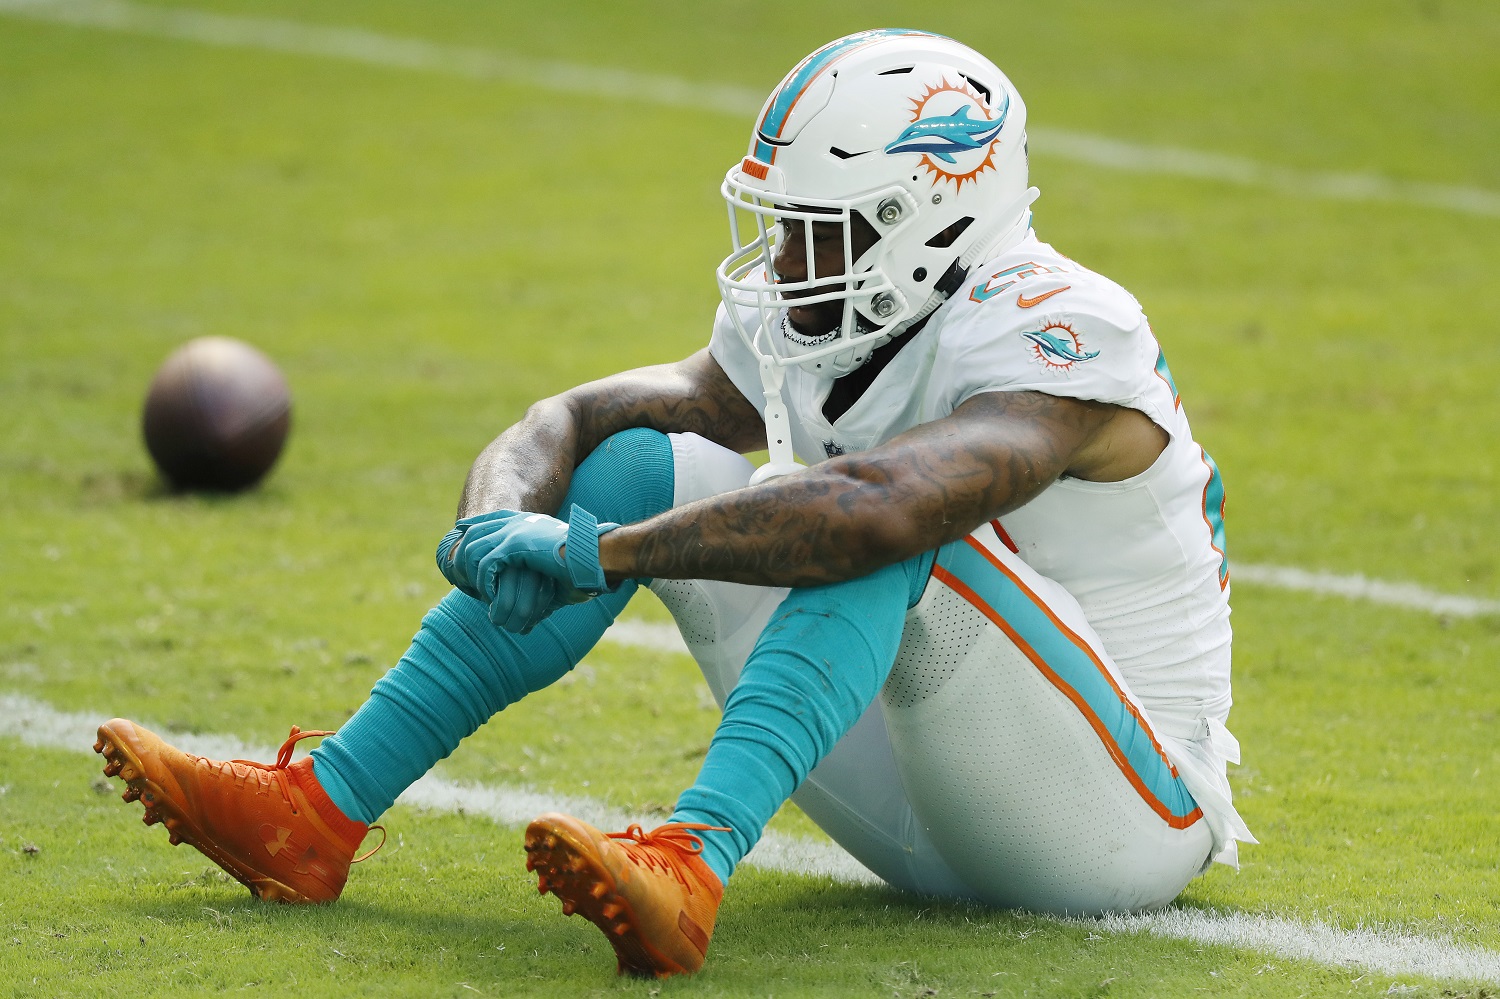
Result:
{"points": [[1144, 557]]}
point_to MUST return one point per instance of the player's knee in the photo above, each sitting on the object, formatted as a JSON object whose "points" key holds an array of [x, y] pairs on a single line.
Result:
{"points": [[627, 478]]}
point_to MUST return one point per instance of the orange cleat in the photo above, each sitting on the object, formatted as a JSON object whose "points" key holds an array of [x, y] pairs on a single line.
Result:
{"points": [[650, 892], [272, 827]]}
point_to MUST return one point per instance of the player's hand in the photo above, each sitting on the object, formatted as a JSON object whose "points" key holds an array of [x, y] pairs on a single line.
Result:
{"points": [[524, 565], [472, 538], [518, 598], [523, 599], [567, 552]]}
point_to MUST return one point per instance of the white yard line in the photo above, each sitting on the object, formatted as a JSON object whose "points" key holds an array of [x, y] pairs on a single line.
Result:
{"points": [[659, 636], [1384, 951], [1357, 587], [389, 51]]}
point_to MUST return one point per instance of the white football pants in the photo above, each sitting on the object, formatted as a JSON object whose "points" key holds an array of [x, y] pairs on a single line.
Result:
{"points": [[1006, 760]]}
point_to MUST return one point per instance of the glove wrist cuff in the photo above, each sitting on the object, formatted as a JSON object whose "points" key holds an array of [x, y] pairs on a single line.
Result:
{"points": [[582, 552]]}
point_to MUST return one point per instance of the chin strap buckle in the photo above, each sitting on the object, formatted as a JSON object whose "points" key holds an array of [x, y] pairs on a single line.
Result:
{"points": [[778, 425]]}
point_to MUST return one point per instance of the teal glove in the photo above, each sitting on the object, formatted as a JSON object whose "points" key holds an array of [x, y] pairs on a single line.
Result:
{"points": [[525, 565], [567, 553]]}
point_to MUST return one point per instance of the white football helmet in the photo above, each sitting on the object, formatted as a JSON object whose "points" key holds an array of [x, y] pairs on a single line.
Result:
{"points": [[919, 136]]}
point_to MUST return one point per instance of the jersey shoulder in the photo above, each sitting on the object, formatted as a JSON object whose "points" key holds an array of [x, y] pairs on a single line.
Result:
{"points": [[1030, 319], [1008, 292]]}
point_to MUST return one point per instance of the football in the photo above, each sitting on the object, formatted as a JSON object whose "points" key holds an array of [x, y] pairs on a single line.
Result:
{"points": [[217, 415]]}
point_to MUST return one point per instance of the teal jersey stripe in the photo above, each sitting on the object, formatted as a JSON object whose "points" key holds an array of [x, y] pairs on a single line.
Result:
{"points": [[1213, 514], [1076, 673], [785, 99], [1165, 374]]}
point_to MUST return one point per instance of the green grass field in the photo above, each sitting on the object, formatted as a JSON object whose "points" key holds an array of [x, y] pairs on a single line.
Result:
{"points": [[424, 251]]}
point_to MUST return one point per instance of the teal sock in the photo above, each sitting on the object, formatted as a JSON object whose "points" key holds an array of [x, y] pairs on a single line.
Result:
{"points": [[461, 669], [816, 667]]}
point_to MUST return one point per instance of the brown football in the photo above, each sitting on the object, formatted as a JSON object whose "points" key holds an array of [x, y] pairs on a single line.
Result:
{"points": [[217, 415]]}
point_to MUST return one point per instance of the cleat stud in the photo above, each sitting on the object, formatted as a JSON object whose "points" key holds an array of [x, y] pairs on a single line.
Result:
{"points": [[99, 744], [611, 910], [532, 863], [112, 768], [131, 794], [619, 929], [150, 818], [568, 907], [128, 772], [174, 839], [599, 890], [542, 887]]}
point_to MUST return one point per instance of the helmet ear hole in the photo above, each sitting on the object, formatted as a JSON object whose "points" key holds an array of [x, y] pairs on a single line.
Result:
{"points": [[946, 238], [983, 88]]}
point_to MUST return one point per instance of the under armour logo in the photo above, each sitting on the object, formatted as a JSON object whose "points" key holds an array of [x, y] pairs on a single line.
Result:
{"points": [[833, 448], [275, 838]]}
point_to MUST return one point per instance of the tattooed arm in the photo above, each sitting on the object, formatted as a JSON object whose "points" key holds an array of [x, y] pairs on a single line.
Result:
{"points": [[530, 466], [850, 515]]}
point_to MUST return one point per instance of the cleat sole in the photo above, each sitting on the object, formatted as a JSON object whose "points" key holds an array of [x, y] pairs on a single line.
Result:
{"points": [[572, 871]]}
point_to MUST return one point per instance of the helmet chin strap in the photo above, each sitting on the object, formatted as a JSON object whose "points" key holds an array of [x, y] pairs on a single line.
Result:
{"points": [[998, 237], [778, 425]]}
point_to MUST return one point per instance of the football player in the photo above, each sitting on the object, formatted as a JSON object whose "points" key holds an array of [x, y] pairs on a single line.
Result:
{"points": [[982, 638]]}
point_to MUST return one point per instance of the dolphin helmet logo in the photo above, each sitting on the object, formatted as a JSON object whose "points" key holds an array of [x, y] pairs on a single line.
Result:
{"points": [[955, 131], [944, 135], [1057, 347]]}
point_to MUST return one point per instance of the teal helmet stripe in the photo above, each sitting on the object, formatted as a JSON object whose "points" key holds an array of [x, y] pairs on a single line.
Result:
{"points": [[786, 97]]}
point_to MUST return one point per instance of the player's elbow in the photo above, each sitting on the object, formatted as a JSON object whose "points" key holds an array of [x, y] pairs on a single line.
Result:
{"points": [[887, 540], [885, 526]]}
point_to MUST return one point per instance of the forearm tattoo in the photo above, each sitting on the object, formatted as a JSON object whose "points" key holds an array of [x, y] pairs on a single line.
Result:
{"points": [[853, 514]]}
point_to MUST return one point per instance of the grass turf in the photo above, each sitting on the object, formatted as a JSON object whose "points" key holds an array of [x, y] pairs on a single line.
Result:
{"points": [[424, 255]]}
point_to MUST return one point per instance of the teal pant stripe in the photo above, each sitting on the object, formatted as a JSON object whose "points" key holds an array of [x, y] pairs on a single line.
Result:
{"points": [[1077, 675]]}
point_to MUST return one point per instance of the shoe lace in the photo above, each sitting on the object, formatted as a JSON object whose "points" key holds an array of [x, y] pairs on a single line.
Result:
{"points": [[276, 773], [662, 847]]}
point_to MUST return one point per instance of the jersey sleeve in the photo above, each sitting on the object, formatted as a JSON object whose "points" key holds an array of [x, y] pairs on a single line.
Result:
{"points": [[1091, 342]]}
